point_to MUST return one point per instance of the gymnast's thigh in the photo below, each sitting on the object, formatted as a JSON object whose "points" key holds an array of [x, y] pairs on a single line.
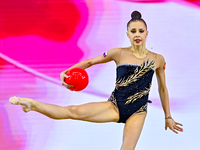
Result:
{"points": [[132, 130], [95, 112]]}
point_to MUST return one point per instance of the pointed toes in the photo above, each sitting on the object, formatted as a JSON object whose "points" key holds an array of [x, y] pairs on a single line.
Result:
{"points": [[14, 100]]}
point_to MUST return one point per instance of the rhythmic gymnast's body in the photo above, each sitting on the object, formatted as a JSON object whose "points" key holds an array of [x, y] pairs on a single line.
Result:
{"points": [[128, 102]]}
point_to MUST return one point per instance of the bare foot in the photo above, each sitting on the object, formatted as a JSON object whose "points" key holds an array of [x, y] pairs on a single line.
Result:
{"points": [[26, 103]]}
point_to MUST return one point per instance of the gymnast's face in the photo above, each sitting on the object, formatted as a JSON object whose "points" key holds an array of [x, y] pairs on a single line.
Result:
{"points": [[137, 33]]}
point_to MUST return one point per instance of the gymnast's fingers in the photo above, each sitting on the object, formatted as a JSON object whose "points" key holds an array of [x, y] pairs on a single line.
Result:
{"points": [[179, 124], [173, 129], [178, 128], [64, 84], [68, 86]]}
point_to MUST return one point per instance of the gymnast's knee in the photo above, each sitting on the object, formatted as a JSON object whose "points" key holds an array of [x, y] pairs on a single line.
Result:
{"points": [[75, 112]]}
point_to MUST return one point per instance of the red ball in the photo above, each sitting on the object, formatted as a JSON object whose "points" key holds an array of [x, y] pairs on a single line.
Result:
{"points": [[77, 77]]}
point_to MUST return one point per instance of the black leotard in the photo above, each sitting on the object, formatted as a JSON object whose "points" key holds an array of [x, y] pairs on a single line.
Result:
{"points": [[132, 88]]}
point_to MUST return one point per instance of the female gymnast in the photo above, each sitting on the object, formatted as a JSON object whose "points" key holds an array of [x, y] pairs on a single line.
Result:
{"points": [[128, 102]]}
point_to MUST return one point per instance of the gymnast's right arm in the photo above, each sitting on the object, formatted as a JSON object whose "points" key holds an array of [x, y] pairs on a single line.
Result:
{"points": [[108, 56]]}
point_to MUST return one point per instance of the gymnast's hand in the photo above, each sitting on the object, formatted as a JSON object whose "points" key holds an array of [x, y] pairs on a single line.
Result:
{"points": [[174, 126], [62, 78]]}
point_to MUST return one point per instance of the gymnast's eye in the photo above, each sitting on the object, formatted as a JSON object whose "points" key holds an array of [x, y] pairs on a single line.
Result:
{"points": [[141, 31], [133, 31]]}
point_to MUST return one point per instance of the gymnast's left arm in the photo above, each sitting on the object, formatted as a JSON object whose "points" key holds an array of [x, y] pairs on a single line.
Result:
{"points": [[164, 96]]}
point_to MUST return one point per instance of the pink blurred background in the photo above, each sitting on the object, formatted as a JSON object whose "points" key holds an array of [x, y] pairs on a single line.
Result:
{"points": [[41, 38]]}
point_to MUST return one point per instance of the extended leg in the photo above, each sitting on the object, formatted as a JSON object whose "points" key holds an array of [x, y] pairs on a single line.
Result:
{"points": [[132, 130], [93, 112]]}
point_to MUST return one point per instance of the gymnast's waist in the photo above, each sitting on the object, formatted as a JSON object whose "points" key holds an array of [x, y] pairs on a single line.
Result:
{"points": [[123, 95]]}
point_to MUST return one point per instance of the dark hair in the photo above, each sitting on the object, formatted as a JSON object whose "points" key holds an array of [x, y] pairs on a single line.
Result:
{"points": [[136, 16]]}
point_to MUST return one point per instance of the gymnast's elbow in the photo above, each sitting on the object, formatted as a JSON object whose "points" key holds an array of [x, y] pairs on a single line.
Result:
{"points": [[89, 63], [162, 89]]}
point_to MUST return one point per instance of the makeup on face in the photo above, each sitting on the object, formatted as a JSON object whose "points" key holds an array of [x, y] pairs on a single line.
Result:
{"points": [[137, 32]]}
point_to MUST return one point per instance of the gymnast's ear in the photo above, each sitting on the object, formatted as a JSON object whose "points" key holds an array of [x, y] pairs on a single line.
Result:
{"points": [[147, 34], [127, 34]]}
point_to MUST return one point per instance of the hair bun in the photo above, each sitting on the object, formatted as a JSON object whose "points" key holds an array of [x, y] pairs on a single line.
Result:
{"points": [[136, 15]]}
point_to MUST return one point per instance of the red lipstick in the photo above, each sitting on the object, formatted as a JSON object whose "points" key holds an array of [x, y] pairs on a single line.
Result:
{"points": [[137, 40]]}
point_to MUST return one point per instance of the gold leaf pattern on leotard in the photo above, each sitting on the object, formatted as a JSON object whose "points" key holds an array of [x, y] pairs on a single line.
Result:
{"points": [[142, 109], [113, 99], [136, 96], [139, 72]]}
